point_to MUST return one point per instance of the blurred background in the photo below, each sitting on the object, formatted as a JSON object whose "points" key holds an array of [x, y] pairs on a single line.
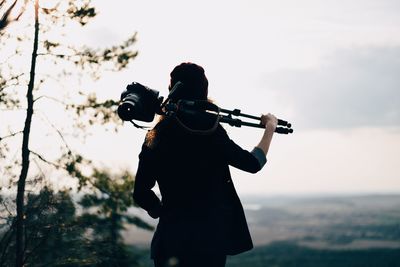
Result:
{"points": [[329, 194]]}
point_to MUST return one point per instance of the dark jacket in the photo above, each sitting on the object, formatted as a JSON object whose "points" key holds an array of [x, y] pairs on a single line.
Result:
{"points": [[200, 211]]}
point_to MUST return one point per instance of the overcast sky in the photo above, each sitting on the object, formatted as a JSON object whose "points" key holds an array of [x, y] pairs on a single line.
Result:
{"points": [[330, 67]]}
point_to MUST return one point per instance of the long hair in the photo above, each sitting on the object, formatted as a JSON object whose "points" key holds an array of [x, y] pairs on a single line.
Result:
{"points": [[195, 87]]}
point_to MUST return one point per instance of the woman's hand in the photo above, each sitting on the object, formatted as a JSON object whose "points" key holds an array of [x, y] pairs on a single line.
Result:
{"points": [[269, 121]]}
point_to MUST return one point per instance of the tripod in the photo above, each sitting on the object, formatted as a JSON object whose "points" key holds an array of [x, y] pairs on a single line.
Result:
{"points": [[225, 115], [239, 123]]}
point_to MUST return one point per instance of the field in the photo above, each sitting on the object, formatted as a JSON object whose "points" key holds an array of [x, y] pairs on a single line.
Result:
{"points": [[317, 231]]}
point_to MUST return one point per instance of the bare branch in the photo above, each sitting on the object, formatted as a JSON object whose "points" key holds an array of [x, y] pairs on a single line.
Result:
{"points": [[6, 208], [58, 55], [45, 160], [8, 85], [5, 18], [10, 135], [16, 78], [38, 166], [51, 98], [57, 130], [21, 12], [49, 77]]}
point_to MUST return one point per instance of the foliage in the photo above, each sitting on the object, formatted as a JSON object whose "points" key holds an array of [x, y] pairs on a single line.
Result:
{"points": [[52, 232], [58, 235], [57, 67], [106, 214], [62, 65]]}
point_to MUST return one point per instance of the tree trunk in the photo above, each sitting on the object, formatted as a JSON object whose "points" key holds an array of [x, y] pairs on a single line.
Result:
{"points": [[20, 247]]}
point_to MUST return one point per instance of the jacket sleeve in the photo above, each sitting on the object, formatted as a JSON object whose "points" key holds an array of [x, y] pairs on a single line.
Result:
{"points": [[240, 158], [145, 180]]}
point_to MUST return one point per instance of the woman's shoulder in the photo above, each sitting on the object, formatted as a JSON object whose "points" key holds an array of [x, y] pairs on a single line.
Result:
{"points": [[220, 132], [161, 129]]}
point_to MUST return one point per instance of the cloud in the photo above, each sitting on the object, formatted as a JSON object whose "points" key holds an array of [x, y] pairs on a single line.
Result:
{"points": [[353, 88]]}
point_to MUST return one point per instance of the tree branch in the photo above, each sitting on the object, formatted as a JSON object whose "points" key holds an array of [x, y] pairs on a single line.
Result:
{"points": [[38, 166], [51, 98], [5, 18], [8, 85], [6, 208], [16, 77], [58, 131], [45, 160], [64, 56], [10, 135]]}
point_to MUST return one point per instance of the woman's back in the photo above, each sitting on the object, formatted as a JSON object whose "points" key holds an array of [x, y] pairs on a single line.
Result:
{"points": [[191, 167], [200, 214], [200, 210]]}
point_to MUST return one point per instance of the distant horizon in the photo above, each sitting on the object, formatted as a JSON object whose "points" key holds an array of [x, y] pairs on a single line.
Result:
{"points": [[319, 194], [244, 196]]}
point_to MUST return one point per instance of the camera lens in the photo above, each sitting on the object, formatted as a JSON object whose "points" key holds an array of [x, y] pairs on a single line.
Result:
{"points": [[138, 102], [130, 108]]}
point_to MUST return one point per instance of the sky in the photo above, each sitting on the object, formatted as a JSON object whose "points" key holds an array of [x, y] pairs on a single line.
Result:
{"points": [[331, 68]]}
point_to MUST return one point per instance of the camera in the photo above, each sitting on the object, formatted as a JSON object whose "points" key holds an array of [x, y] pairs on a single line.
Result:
{"points": [[138, 102]]}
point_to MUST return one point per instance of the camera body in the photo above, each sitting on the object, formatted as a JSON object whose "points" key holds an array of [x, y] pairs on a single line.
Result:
{"points": [[138, 102]]}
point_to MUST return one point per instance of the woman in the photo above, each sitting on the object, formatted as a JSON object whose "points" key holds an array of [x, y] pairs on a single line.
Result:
{"points": [[201, 219]]}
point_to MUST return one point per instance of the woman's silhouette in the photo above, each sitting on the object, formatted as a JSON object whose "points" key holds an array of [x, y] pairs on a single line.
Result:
{"points": [[201, 219]]}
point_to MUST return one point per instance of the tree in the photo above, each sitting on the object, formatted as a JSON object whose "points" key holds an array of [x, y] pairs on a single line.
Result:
{"points": [[106, 213], [53, 234], [65, 60], [61, 231], [6, 17]]}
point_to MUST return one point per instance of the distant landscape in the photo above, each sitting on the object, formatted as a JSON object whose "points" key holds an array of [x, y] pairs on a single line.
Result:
{"points": [[314, 231]]}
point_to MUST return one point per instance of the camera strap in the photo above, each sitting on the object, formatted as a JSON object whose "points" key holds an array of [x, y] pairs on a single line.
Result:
{"points": [[139, 126], [196, 108], [202, 132]]}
